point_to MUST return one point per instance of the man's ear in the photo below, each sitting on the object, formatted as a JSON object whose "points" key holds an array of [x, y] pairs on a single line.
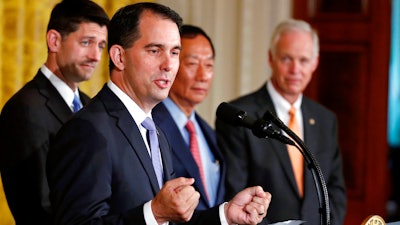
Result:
{"points": [[54, 40], [270, 58], [117, 56], [316, 62]]}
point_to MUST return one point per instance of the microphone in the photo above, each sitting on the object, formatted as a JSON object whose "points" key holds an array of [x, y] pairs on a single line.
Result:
{"points": [[320, 184], [269, 116], [260, 128]]}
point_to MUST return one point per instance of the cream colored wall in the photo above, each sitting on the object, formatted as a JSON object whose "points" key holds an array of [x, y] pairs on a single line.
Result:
{"points": [[240, 30]]}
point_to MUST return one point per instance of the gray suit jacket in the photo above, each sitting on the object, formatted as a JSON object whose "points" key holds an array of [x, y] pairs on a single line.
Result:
{"points": [[255, 161]]}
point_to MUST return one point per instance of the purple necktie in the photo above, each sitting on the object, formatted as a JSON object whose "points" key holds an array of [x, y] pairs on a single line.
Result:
{"points": [[154, 149]]}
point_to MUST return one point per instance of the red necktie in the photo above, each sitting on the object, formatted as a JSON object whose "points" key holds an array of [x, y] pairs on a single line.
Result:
{"points": [[295, 155], [194, 149]]}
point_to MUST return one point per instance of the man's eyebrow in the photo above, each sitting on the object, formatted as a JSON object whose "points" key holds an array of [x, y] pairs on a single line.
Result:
{"points": [[153, 45], [161, 46], [91, 37], [178, 47]]}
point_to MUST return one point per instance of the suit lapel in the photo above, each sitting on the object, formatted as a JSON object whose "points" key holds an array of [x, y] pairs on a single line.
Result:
{"points": [[54, 102], [310, 132], [210, 136], [84, 98], [180, 149], [310, 126], [166, 156], [182, 152], [283, 156], [129, 128], [279, 148]]}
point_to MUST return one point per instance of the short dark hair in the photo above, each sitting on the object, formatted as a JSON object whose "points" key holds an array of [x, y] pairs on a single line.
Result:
{"points": [[124, 25], [68, 14], [190, 31]]}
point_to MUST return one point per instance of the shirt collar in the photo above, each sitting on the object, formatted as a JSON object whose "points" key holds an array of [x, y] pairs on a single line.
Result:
{"points": [[134, 110], [65, 91], [179, 117], [281, 105]]}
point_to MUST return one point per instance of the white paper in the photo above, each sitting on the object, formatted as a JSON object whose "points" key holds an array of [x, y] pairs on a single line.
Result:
{"points": [[290, 222]]}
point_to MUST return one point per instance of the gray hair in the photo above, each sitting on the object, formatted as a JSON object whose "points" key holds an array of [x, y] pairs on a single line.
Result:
{"points": [[294, 25]]}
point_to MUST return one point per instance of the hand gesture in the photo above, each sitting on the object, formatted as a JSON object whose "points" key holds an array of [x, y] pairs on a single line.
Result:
{"points": [[248, 206], [176, 201]]}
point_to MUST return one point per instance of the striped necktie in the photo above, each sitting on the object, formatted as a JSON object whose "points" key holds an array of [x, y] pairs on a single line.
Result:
{"points": [[194, 149]]}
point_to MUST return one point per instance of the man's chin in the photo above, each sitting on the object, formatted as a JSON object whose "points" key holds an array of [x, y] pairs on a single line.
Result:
{"points": [[86, 76], [161, 96]]}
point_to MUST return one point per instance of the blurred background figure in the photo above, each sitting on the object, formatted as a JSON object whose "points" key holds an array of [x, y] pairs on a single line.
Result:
{"points": [[193, 141], [76, 36], [6, 217], [279, 169]]}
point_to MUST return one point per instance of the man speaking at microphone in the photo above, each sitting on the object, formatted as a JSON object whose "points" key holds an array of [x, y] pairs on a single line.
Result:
{"points": [[278, 168]]}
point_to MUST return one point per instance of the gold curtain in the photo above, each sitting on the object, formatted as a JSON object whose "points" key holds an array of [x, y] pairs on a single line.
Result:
{"points": [[23, 50]]}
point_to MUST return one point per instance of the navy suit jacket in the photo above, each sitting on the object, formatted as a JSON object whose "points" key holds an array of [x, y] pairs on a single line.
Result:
{"points": [[99, 169], [28, 123], [255, 161], [184, 164]]}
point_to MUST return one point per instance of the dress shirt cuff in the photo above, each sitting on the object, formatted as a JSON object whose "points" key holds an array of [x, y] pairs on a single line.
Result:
{"points": [[148, 215], [222, 216]]}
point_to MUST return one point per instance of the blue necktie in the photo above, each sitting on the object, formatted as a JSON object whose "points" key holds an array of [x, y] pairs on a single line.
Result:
{"points": [[76, 103], [154, 149]]}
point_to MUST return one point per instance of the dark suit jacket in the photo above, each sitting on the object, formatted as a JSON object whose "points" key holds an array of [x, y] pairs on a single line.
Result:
{"points": [[184, 164], [99, 169], [28, 124], [255, 161]]}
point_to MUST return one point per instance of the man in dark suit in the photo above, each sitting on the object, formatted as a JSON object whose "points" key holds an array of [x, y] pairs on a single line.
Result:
{"points": [[190, 88], [293, 57], [76, 35], [105, 167]]}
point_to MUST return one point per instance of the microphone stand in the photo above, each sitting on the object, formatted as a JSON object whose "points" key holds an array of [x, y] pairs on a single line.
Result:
{"points": [[312, 165]]}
